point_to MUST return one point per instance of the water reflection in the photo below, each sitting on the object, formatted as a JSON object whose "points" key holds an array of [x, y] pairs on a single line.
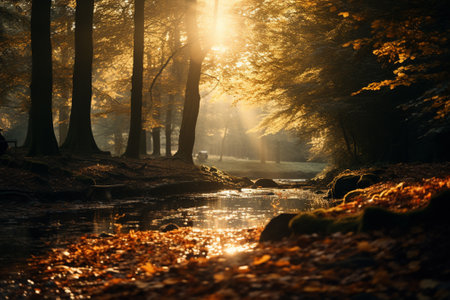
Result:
{"points": [[30, 228]]}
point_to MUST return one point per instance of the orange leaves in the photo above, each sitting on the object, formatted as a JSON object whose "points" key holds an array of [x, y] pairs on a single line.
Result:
{"points": [[149, 268], [400, 196], [261, 260]]}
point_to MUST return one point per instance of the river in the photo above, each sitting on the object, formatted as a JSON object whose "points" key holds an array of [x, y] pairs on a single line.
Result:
{"points": [[31, 228]]}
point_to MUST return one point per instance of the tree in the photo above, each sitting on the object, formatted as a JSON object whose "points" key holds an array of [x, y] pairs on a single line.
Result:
{"points": [[79, 137], [192, 95], [136, 82], [43, 140]]}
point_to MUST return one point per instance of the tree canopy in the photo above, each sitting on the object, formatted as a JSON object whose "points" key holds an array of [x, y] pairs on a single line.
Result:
{"points": [[361, 81]]}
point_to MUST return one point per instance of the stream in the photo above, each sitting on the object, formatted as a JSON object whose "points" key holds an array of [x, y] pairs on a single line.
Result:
{"points": [[31, 228]]}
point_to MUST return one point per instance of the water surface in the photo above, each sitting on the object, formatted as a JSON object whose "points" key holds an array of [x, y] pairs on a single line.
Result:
{"points": [[30, 228]]}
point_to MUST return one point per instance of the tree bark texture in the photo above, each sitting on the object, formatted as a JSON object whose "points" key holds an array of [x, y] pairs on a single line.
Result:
{"points": [[43, 140], [64, 109], [79, 137], [134, 136]]}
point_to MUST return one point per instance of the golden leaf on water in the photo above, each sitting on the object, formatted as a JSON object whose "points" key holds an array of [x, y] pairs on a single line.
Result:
{"points": [[149, 268], [261, 260]]}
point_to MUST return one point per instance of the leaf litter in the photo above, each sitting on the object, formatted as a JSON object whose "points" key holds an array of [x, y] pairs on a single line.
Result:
{"points": [[189, 263]]}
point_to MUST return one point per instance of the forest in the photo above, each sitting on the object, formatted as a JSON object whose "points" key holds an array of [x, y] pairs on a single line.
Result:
{"points": [[224, 149]]}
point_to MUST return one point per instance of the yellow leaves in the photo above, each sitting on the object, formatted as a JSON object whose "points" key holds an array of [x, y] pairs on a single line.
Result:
{"points": [[344, 14], [149, 268], [261, 260]]}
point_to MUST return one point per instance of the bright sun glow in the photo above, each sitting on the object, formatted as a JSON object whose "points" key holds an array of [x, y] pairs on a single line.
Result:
{"points": [[224, 27]]}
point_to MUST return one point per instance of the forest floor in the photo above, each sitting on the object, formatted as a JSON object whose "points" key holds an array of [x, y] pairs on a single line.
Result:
{"points": [[231, 264], [76, 177]]}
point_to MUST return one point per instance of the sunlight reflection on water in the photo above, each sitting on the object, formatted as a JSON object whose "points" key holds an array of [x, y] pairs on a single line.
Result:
{"points": [[32, 228]]}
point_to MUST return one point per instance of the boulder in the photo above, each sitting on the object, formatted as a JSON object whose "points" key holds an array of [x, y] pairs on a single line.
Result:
{"points": [[344, 184], [265, 183], [347, 183], [277, 229]]}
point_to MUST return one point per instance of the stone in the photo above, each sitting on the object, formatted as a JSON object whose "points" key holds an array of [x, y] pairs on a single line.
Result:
{"points": [[265, 183], [277, 228], [344, 184], [350, 182]]}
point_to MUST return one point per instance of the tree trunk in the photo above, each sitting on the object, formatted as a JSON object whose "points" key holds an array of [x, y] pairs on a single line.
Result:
{"points": [[143, 143], [223, 142], [277, 152], [168, 125], [118, 142], [64, 110], [156, 136], [43, 140], [156, 131], [79, 137], [192, 95], [136, 82]]}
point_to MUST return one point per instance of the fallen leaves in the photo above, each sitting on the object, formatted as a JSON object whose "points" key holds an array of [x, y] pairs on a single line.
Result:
{"points": [[260, 260], [400, 197], [229, 264], [178, 264]]}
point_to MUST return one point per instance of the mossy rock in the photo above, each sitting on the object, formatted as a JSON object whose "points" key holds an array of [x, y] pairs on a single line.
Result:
{"points": [[372, 218], [308, 223]]}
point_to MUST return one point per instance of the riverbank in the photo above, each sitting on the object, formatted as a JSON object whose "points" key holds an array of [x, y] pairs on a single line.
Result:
{"points": [[71, 176]]}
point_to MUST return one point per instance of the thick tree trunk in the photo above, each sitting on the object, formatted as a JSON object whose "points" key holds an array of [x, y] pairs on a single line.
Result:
{"points": [[43, 140], [79, 137], [143, 143], [136, 83], [63, 120], [190, 112], [156, 136], [64, 109], [192, 94]]}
